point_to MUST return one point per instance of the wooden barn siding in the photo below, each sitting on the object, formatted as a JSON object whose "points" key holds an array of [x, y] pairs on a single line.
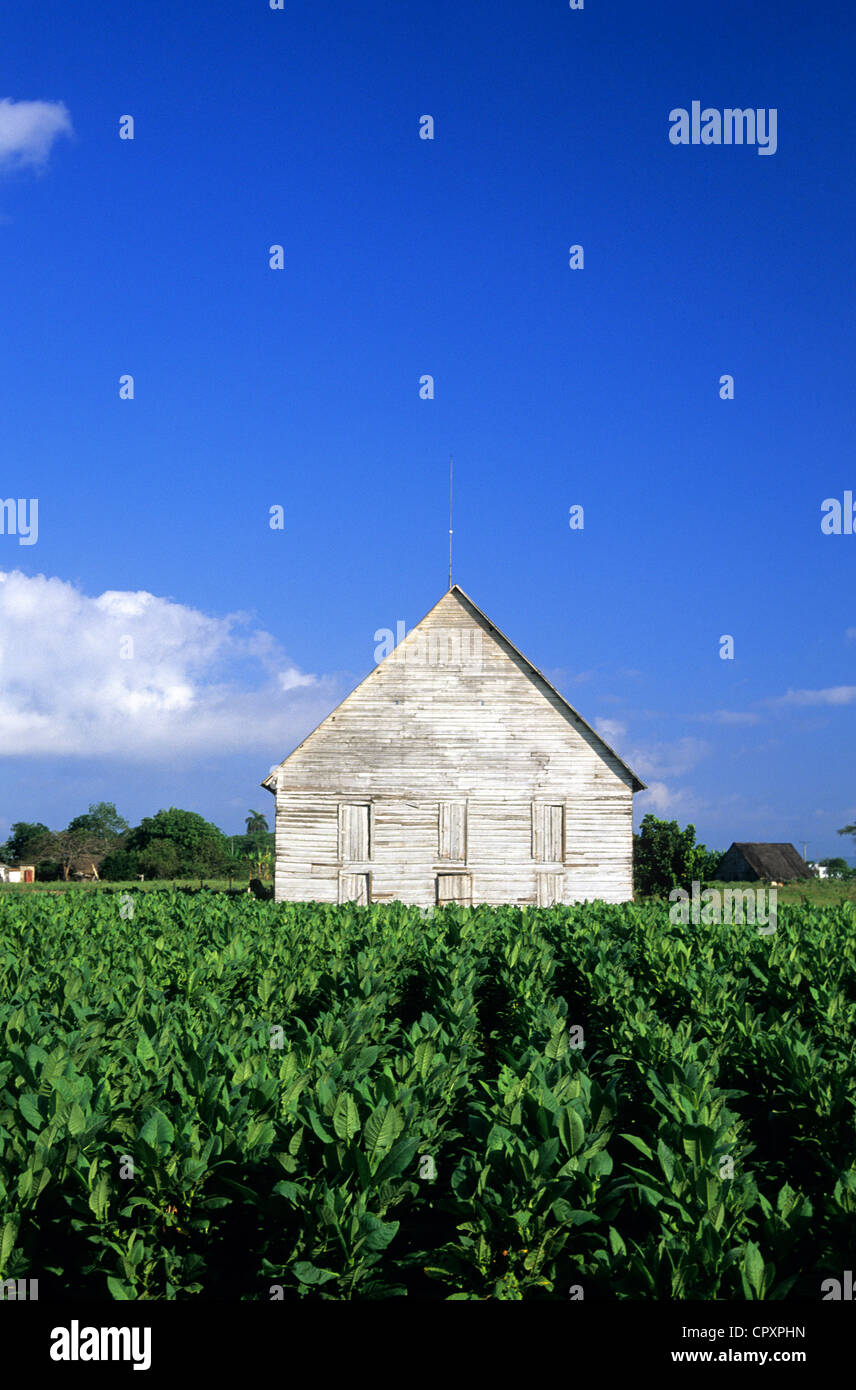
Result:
{"points": [[406, 858], [419, 734]]}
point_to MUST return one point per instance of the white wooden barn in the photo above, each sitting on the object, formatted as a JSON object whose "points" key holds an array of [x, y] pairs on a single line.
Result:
{"points": [[454, 772]]}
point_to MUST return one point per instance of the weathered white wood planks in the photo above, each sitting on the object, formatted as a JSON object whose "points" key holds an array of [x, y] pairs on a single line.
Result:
{"points": [[454, 755]]}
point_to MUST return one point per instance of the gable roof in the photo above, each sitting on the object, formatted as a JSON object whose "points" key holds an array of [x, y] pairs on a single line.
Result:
{"points": [[779, 861], [637, 784]]}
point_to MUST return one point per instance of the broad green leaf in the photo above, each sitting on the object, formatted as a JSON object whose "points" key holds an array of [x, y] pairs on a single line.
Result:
{"points": [[379, 1131], [571, 1129], [309, 1273], [616, 1243], [346, 1118], [423, 1056], [7, 1240], [558, 1044], [99, 1198], [157, 1130], [638, 1144], [752, 1269], [76, 1120], [28, 1106], [259, 1132], [667, 1160]]}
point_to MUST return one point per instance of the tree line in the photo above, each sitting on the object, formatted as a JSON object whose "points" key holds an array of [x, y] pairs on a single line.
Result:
{"points": [[171, 844], [182, 844]]}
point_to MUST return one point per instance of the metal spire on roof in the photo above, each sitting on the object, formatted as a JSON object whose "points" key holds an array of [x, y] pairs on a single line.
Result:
{"points": [[450, 521]]}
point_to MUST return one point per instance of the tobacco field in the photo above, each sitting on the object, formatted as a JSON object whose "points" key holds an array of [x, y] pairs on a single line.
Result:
{"points": [[214, 1098]]}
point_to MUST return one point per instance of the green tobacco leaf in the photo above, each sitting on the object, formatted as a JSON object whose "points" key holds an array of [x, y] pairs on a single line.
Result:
{"points": [[99, 1198], [7, 1240], [260, 1132], [292, 1191], [379, 1131], [572, 1131], [157, 1131], [319, 1129], [752, 1271], [600, 1166], [380, 1233], [76, 1120], [638, 1144], [616, 1243], [145, 1051], [346, 1118], [399, 1157], [309, 1273], [28, 1106], [118, 1289], [558, 1044], [423, 1056], [699, 1142], [667, 1160]]}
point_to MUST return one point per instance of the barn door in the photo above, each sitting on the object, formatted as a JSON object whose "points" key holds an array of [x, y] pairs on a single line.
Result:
{"points": [[355, 888], [455, 888]]}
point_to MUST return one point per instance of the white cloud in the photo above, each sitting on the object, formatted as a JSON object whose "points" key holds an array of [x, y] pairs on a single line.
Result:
{"points": [[194, 685], [560, 676], [727, 716], [662, 800], [668, 759], [656, 797], [831, 695], [28, 130], [292, 679], [610, 729]]}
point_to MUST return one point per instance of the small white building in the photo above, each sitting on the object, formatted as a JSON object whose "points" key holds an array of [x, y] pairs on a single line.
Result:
{"points": [[19, 873], [454, 773], [819, 870]]}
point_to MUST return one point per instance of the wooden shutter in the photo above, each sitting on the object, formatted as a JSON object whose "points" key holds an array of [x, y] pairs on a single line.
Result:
{"points": [[550, 889], [455, 888], [355, 888], [453, 831], [554, 834], [548, 832], [538, 830], [354, 840]]}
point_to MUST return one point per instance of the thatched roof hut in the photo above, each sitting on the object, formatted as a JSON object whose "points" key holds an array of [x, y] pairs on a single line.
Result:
{"points": [[748, 861]]}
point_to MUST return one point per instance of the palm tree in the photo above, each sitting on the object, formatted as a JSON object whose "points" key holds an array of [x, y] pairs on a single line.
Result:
{"points": [[256, 823]]}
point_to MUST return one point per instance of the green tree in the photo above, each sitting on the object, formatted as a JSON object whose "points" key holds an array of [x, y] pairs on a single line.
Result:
{"points": [[160, 859], [256, 824], [837, 867], [202, 849], [119, 866], [88, 838], [102, 820], [28, 842], [666, 857]]}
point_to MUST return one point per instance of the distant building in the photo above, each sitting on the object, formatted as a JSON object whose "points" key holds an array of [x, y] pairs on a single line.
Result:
{"points": [[747, 861], [819, 870], [20, 873]]}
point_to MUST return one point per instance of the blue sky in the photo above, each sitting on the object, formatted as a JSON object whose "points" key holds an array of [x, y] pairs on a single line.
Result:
{"points": [[300, 388]]}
